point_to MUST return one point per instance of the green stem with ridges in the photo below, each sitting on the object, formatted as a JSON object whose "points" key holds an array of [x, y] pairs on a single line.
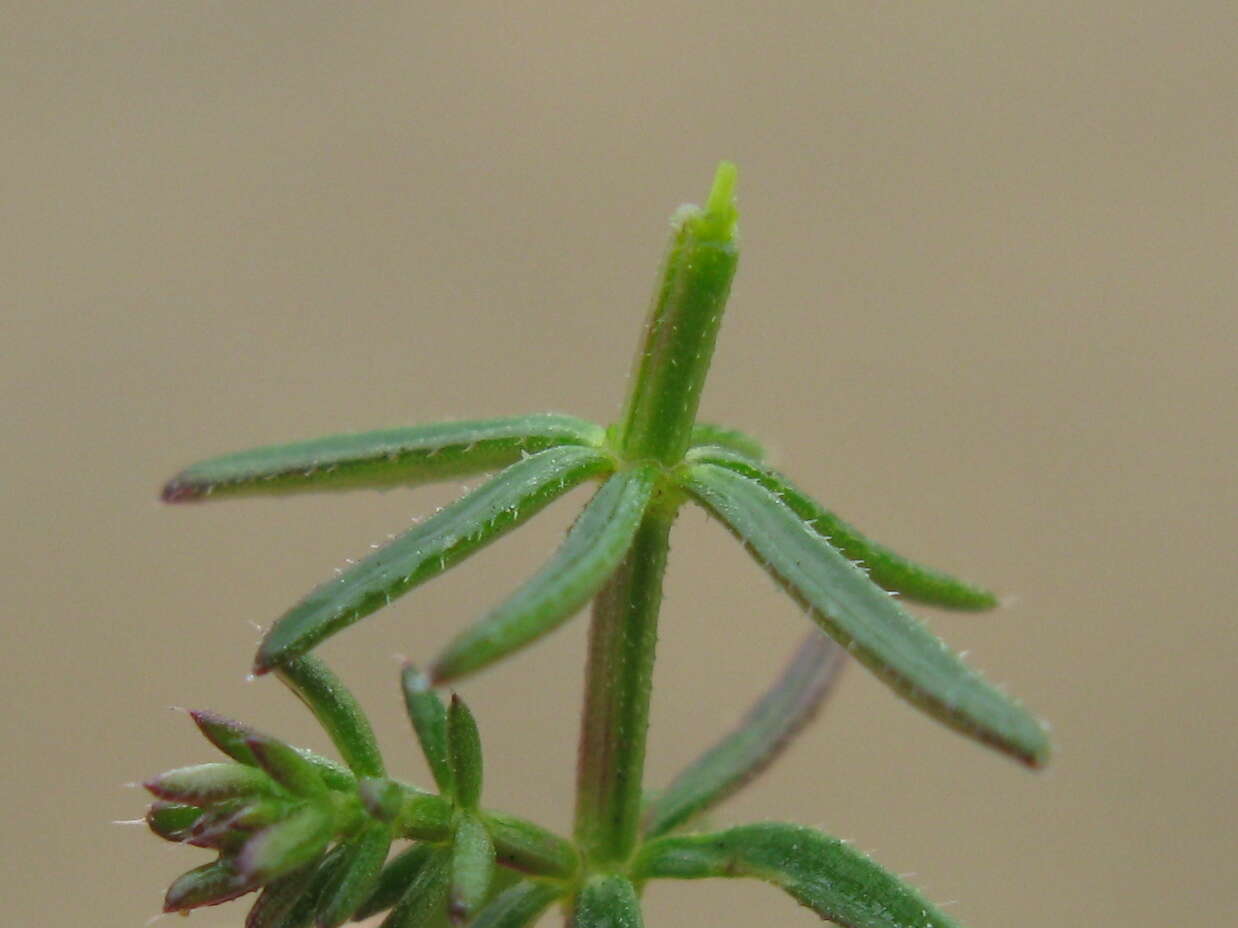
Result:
{"points": [[657, 425], [682, 328], [618, 682]]}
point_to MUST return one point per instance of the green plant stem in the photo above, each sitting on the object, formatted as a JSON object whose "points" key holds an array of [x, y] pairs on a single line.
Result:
{"points": [[682, 328], [656, 425], [618, 683]]}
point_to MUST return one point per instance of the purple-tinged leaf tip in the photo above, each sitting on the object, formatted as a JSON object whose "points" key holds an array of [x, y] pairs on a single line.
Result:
{"points": [[177, 490]]}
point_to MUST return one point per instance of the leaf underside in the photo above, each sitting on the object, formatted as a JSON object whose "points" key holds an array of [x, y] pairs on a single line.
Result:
{"points": [[766, 730], [887, 569], [591, 552], [427, 550], [381, 459], [864, 618], [825, 874]]}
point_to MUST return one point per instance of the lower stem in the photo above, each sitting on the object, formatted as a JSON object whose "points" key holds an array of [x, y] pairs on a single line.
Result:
{"points": [[618, 685]]}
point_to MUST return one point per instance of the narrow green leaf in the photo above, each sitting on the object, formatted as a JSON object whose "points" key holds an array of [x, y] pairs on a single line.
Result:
{"points": [[278, 898], [472, 868], [607, 901], [337, 711], [424, 898], [887, 569], [286, 767], [203, 784], [352, 883], [864, 618], [395, 878], [530, 848], [287, 845], [592, 550], [464, 753], [209, 884], [835, 881], [387, 458], [720, 436], [763, 734], [227, 735], [430, 548], [429, 717], [518, 906], [230, 737]]}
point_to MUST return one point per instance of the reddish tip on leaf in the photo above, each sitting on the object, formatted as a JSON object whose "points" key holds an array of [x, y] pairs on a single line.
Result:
{"points": [[181, 491]]}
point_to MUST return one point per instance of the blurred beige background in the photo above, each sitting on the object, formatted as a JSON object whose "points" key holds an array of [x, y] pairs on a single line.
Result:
{"points": [[985, 309]]}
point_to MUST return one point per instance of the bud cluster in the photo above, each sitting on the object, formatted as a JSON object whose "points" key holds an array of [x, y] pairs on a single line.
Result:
{"points": [[314, 835]]}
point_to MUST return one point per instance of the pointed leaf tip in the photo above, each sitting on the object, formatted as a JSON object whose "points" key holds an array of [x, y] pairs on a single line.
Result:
{"points": [[178, 490], [285, 766], [720, 213], [380, 459], [887, 568], [862, 617], [204, 784], [766, 730]]}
